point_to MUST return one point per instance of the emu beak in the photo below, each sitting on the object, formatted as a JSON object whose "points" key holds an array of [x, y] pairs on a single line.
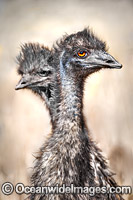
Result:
{"points": [[28, 81], [101, 59], [23, 83]]}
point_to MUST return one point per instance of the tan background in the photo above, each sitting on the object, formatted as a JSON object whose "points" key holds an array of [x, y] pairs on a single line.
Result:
{"points": [[24, 121]]}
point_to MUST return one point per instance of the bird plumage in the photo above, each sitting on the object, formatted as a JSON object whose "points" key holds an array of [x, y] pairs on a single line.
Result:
{"points": [[70, 156], [36, 73]]}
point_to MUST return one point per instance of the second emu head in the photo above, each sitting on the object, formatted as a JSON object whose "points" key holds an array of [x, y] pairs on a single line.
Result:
{"points": [[35, 71]]}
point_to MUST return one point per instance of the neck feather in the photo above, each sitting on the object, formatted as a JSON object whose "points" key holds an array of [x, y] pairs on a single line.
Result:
{"points": [[71, 93]]}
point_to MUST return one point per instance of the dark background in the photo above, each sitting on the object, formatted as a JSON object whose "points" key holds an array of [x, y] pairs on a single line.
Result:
{"points": [[24, 120]]}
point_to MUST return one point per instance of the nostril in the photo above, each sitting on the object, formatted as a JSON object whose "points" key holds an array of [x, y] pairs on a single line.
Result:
{"points": [[109, 61], [23, 83]]}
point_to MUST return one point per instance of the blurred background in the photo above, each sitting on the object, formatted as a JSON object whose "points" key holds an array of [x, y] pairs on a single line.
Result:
{"points": [[24, 120]]}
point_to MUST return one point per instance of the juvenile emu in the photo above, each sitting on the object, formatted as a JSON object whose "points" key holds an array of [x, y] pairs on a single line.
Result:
{"points": [[70, 156]]}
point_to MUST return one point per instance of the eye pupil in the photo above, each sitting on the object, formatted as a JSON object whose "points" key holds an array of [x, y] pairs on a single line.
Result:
{"points": [[82, 54], [42, 72]]}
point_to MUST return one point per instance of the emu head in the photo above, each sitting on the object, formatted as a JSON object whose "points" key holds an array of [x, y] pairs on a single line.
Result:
{"points": [[83, 53], [34, 68]]}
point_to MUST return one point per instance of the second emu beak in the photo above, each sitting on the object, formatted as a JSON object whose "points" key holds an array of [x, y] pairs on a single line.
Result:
{"points": [[102, 59], [23, 83]]}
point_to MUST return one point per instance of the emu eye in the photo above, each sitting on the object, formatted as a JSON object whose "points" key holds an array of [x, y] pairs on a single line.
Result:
{"points": [[82, 54], [44, 73]]}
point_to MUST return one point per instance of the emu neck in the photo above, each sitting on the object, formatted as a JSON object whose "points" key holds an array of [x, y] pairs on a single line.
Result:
{"points": [[71, 91]]}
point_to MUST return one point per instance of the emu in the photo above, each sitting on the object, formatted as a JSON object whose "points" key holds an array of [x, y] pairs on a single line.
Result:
{"points": [[70, 156], [36, 73]]}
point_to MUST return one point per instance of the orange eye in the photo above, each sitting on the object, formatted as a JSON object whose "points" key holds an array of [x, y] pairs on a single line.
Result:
{"points": [[82, 54]]}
